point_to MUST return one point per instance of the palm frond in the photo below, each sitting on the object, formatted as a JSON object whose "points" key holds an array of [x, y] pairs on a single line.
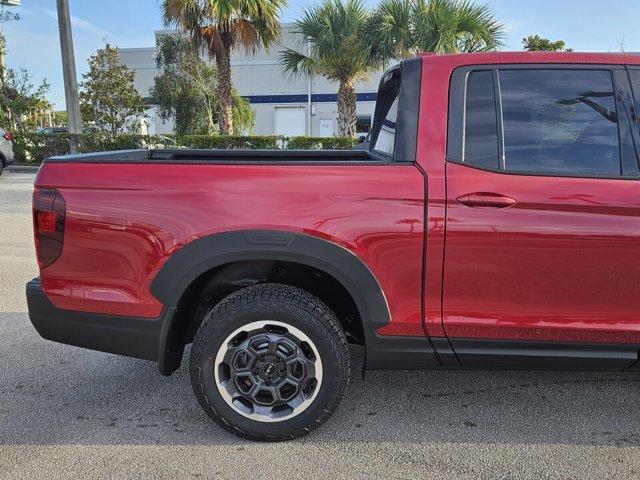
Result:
{"points": [[212, 40], [479, 30], [248, 23], [400, 28], [295, 63], [389, 30], [187, 16], [339, 47], [245, 34]]}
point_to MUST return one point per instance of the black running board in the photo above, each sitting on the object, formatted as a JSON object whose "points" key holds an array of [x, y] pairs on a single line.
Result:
{"points": [[519, 354]]}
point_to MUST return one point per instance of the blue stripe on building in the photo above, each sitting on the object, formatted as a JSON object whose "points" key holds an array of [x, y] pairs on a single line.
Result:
{"points": [[302, 98]]}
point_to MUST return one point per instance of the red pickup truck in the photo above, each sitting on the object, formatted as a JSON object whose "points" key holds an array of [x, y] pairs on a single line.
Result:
{"points": [[494, 222]]}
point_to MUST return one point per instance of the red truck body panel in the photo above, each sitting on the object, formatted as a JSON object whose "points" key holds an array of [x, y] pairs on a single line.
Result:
{"points": [[557, 228], [125, 221], [531, 272], [528, 272]]}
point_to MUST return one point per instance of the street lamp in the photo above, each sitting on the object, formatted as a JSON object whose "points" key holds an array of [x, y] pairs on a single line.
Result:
{"points": [[69, 69]]}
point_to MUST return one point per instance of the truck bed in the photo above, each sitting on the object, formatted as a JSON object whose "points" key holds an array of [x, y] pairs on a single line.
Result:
{"points": [[194, 156]]}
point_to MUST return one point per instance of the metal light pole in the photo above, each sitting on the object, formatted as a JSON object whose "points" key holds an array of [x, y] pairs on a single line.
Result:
{"points": [[69, 70]]}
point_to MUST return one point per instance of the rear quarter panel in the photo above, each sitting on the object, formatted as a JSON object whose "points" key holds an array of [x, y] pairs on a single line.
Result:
{"points": [[125, 220]]}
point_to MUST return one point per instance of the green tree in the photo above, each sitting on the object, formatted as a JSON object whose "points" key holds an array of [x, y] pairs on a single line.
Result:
{"points": [[108, 97], [336, 31], [219, 26], [186, 87], [5, 16], [20, 100], [403, 28], [60, 118], [536, 43]]}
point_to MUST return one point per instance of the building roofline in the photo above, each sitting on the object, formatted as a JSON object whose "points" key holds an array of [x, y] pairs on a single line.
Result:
{"points": [[168, 31], [136, 49]]}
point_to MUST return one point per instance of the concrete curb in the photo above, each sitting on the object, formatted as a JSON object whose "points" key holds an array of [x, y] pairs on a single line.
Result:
{"points": [[22, 168]]}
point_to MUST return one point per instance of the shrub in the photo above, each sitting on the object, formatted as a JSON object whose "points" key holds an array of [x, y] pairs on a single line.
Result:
{"points": [[321, 143], [33, 148], [231, 142]]}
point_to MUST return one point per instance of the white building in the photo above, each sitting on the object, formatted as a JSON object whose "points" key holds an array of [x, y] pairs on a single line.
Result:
{"points": [[280, 101]]}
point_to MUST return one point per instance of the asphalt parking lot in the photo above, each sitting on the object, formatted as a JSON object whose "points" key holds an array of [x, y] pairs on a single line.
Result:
{"points": [[72, 413]]}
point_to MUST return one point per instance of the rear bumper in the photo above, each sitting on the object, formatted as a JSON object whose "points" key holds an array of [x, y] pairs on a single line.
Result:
{"points": [[129, 336]]}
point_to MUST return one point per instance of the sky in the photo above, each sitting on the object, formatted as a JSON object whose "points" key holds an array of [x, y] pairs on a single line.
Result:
{"points": [[32, 42]]}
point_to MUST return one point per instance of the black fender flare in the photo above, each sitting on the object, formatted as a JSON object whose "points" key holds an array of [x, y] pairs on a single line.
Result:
{"points": [[206, 253]]}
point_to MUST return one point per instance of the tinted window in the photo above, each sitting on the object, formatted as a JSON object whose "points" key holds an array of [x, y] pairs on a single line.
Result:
{"points": [[481, 126], [560, 121], [386, 140]]}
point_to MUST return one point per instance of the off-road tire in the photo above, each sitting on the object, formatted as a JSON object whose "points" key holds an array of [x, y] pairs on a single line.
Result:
{"points": [[284, 304]]}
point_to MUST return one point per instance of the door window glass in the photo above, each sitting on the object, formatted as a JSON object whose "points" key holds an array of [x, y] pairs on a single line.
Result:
{"points": [[560, 121], [481, 126]]}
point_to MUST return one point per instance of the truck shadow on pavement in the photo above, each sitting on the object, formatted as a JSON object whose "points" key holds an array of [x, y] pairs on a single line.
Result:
{"points": [[57, 394]]}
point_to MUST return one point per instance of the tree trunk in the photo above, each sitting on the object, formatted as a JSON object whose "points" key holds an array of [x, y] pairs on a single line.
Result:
{"points": [[211, 128], [347, 109], [224, 86]]}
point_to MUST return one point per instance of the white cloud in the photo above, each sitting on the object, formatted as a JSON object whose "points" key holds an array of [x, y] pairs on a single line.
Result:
{"points": [[512, 25], [77, 23], [33, 43]]}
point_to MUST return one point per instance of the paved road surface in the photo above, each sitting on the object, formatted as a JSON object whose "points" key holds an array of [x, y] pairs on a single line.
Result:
{"points": [[72, 413]]}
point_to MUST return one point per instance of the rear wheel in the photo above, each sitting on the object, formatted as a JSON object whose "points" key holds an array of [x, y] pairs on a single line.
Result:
{"points": [[270, 362]]}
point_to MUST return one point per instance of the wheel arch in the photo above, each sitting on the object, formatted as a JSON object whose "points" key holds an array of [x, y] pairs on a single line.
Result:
{"points": [[203, 255]]}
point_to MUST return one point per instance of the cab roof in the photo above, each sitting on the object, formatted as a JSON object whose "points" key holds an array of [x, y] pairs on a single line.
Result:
{"points": [[497, 58]]}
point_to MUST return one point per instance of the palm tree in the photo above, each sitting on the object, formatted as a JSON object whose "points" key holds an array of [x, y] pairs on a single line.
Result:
{"points": [[336, 31], [403, 28], [219, 26]]}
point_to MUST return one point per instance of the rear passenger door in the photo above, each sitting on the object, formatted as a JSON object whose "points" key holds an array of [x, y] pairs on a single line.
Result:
{"points": [[542, 256]]}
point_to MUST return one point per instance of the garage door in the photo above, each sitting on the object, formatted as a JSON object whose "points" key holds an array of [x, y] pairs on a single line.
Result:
{"points": [[290, 121]]}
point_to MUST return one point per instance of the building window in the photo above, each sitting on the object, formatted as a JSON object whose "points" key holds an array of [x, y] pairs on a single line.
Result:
{"points": [[363, 124]]}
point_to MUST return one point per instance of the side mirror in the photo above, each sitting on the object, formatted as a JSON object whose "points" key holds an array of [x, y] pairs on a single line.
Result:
{"points": [[362, 138]]}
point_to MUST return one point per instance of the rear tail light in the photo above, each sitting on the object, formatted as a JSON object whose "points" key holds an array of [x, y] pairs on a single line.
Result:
{"points": [[8, 136], [49, 215]]}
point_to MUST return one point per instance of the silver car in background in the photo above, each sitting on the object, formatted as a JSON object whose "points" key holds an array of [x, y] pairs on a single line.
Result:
{"points": [[6, 149]]}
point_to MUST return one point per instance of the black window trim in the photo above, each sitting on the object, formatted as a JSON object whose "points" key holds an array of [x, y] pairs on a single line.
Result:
{"points": [[409, 72], [497, 97], [456, 117], [635, 105]]}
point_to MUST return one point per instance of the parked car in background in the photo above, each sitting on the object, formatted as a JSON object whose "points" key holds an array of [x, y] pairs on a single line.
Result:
{"points": [[493, 222], [53, 130], [6, 149], [60, 130]]}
